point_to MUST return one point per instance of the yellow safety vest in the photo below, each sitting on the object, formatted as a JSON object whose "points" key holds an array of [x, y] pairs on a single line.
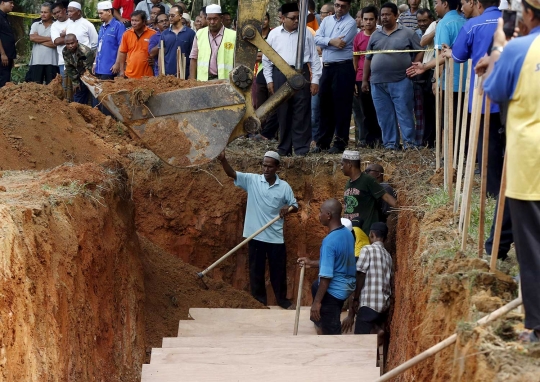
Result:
{"points": [[225, 56]]}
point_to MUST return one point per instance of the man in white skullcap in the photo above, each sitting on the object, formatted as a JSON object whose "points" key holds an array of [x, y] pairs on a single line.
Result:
{"points": [[212, 55], [83, 29], [267, 197], [362, 192], [109, 39]]}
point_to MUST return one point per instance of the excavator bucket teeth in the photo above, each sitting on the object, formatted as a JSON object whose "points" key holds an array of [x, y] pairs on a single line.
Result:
{"points": [[184, 127]]}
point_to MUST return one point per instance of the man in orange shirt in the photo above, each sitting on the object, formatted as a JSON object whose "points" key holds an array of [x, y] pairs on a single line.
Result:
{"points": [[134, 48]]}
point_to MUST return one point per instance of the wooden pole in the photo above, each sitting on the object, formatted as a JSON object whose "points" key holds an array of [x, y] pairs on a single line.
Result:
{"points": [[458, 115], [471, 161], [299, 299], [483, 184], [437, 114], [498, 221], [161, 58], [178, 58], [447, 342], [184, 74], [464, 129], [450, 91], [446, 111]]}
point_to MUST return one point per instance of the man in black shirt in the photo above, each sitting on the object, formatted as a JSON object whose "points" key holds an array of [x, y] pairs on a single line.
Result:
{"points": [[7, 43]]}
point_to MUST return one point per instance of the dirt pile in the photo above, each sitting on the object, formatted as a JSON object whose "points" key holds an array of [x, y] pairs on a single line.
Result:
{"points": [[143, 88], [39, 131]]}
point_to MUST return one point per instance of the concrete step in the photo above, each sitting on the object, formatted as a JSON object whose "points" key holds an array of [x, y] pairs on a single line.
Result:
{"points": [[260, 373]]}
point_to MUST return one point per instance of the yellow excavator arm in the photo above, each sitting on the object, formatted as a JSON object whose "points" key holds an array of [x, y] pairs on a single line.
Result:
{"points": [[191, 126]]}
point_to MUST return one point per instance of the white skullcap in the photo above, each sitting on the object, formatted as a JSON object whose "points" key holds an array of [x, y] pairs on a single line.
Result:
{"points": [[186, 17], [272, 154], [503, 5], [347, 223], [351, 155], [74, 4], [213, 8], [104, 5]]}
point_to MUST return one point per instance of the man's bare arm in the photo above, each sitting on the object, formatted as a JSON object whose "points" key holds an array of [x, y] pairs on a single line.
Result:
{"points": [[389, 199]]}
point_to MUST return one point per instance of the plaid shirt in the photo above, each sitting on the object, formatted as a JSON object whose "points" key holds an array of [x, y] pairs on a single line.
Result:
{"points": [[376, 263]]}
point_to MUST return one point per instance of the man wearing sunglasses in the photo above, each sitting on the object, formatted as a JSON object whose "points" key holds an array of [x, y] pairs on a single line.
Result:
{"points": [[335, 37], [177, 36]]}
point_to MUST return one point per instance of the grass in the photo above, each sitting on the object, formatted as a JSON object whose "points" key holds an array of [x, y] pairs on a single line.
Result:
{"points": [[438, 199]]}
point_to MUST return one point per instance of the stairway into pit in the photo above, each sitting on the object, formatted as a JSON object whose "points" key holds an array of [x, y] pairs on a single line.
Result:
{"points": [[259, 345]]}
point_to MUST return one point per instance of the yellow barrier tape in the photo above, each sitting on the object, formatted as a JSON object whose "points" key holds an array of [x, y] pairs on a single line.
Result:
{"points": [[35, 16], [391, 51]]}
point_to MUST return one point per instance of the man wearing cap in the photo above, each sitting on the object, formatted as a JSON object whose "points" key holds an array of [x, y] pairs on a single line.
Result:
{"points": [[212, 55], [373, 290], [514, 67], [43, 66], [83, 29], [336, 271], [134, 49], [146, 7], [7, 43], [177, 36], [268, 196], [362, 192], [109, 39], [294, 115], [78, 58]]}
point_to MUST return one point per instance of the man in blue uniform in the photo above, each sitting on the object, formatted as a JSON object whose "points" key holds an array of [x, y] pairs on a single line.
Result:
{"points": [[109, 38]]}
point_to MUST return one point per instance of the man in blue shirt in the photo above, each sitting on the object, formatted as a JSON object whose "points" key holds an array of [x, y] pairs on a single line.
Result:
{"points": [[473, 42], [337, 270], [109, 38], [162, 24], [336, 88], [268, 197], [177, 36], [513, 76]]}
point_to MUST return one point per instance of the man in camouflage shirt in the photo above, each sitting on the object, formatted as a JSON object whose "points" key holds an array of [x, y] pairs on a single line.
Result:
{"points": [[78, 58]]}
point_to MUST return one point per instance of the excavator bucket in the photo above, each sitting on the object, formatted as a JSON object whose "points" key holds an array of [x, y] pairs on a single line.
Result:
{"points": [[184, 127]]}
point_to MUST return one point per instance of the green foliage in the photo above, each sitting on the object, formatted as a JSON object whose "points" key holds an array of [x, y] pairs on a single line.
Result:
{"points": [[438, 199]]}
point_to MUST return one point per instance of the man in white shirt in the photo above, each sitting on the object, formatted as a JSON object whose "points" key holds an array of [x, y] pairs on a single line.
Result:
{"points": [[58, 32], [294, 116], [84, 30]]}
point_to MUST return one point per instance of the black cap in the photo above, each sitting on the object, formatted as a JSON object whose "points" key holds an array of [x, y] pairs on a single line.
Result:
{"points": [[381, 227], [289, 7]]}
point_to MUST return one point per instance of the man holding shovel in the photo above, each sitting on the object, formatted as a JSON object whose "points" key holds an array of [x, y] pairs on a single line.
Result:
{"points": [[268, 197]]}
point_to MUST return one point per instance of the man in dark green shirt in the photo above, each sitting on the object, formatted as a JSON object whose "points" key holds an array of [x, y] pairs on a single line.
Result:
{"points": [[78, 59], [362, 192]]}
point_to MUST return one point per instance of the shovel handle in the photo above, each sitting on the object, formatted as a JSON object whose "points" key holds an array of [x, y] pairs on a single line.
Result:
{"points": [[241, 244], [299, 299]]}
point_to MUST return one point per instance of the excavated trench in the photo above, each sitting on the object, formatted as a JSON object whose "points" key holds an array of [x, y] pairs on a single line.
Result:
{"points": [[98, 255]]}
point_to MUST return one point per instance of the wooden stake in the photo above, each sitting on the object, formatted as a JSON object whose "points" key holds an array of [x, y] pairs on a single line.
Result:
{"points": [[437, 114], [161, 58], [184, 74], [445, 123], [450, 91], [483, 184], [447, 342], [498, 220], [463, 129], [471, 161], [299, 299], [178, 59], [458, 115]]}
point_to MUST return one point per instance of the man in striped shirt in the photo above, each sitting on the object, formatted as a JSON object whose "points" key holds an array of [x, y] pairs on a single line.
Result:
{"points": [[373, 273], [408, 18]]}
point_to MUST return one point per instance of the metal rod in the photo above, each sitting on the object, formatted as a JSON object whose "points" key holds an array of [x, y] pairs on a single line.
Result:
{"points": [[302, 26], [299, 299]]}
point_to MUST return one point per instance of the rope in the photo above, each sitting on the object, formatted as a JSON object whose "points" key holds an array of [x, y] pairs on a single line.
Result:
{"points": [[391, 51], [36, 16]]}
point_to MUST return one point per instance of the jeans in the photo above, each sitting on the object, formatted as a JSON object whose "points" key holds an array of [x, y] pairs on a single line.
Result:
{"points": [[315, 116], [330, 322], [360, 132], [81, 95], [366, 319], [391, 100]]}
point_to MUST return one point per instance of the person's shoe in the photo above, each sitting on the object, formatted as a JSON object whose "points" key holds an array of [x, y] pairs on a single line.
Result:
{"points": [[315, 150], [335, 150], [282, 153]]}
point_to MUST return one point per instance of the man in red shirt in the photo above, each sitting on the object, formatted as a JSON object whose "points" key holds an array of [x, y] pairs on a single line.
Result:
{"points": [[123, 10], [372, 135]]}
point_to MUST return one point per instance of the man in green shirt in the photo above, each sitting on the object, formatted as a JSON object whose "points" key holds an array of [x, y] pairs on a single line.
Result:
{"points": [[362, 192]]}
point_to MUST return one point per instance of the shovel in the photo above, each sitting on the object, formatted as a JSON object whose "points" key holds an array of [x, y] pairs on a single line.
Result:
{"points": [[200, 275]]}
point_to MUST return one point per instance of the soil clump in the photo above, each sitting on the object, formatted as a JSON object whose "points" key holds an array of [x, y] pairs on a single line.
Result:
{"points": [[147, 86]]}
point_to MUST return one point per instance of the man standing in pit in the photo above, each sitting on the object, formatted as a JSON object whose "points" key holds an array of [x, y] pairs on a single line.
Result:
{"points": [[513, 69], [43, 66], [212, 55], [176, 36], [336, 271], [335, 37], [78, 58], [83, 29], [134, 49], [268, 197], [294, 115], [376, 171], [109, 39], [362, 192], [8, 52]]}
